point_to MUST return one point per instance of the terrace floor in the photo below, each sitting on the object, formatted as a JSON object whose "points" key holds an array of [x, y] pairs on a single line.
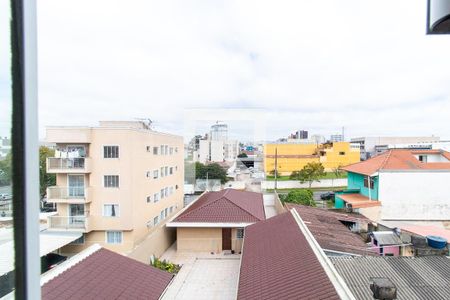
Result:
{"points": [[203, 275]]}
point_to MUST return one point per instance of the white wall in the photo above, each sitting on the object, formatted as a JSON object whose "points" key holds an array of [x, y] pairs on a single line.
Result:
{"points": [[295, 184], [414, 195], [217, 151], [203, 151]]}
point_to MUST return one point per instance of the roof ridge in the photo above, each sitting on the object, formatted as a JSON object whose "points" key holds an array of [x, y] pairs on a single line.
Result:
{"points": [[230, 200], [383, 164], [201, 206]]}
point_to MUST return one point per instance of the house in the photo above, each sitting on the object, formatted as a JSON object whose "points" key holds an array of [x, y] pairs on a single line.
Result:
{"points": [[100, 273], [282, 260], [413, 277], [292, 157], [386, 243], [116, 184], [215, 222], [399, 184], [336, 232]]}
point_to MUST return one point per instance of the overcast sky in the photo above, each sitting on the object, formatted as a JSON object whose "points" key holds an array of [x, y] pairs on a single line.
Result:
{"points": [[315, 65]]}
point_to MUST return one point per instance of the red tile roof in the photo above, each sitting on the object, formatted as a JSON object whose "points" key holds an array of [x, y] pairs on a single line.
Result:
{"points": [[399, 159], [330, 233], [358, 200], [226, 206], [278, 263], [107, 275]]}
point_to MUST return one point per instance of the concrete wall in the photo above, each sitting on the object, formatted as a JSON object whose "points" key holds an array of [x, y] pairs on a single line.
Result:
{"points": [[205, 240], [199, 239], [294, 184], [356, 181], [414, 195], [154, 244]]}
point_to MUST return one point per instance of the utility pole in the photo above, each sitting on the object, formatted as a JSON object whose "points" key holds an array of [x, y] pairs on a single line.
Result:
{"points": [[276, 168], [207, 185]]}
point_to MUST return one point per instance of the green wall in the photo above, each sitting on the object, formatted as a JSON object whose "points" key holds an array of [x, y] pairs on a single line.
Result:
{"points": [[356, 181]]}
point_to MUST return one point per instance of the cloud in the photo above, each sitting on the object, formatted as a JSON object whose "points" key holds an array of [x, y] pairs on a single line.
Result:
{"points": [[318, 65]]}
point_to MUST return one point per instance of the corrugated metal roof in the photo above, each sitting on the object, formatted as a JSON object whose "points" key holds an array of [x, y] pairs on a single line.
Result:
{"points": [[387, 238], [414, 277]]}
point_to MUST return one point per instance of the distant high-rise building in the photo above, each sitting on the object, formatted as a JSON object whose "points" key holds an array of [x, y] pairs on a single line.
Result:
{"points": [[219, 132], [300, 134], [216, 147], [337, 138]]}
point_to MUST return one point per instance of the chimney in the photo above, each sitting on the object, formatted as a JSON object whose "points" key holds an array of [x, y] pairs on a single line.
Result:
{"points": [[383, 288]]}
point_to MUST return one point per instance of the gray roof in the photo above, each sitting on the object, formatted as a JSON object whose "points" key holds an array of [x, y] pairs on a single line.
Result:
{"points": [[387, 238], [414, 277]]}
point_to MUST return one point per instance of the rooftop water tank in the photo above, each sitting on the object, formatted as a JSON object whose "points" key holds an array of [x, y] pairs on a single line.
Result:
{"points": [[436, 242]]}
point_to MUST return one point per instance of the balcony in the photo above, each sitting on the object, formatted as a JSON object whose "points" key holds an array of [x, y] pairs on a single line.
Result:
{"points": [[64, 194], [70, 223], [68, 165]]}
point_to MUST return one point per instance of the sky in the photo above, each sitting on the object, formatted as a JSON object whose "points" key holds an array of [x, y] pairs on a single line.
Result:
{"points": [[316, 65]]}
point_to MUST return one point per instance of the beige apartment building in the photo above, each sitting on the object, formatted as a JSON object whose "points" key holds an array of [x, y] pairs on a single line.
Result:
{"points": [[117, 184]]}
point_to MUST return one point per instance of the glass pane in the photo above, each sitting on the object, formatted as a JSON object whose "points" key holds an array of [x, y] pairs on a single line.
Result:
{"points": [[6, 198]]}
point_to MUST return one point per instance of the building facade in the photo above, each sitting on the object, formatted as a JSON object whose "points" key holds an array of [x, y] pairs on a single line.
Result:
{"points": [[294, 156], [371, 146], [399, 184], [116, 183]]}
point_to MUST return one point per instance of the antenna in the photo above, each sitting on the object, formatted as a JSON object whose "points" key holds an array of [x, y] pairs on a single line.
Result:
{"points": [[147, 122]]}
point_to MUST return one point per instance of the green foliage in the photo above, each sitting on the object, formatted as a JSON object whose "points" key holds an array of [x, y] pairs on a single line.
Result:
{"points": [[45, 179], [273, 172], [214, 171], [242, 155], [311, 172], [166, 266], [5, 170], [295, 175], [303, 196]]}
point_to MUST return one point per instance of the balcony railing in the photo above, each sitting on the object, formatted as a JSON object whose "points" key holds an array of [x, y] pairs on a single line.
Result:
{"points": [[76, 164], [64, 193], [68, 222]]}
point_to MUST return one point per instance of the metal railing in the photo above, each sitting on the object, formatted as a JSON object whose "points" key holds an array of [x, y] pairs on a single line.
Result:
{"points": [[65, 163], [69, 222], [58, 192]]}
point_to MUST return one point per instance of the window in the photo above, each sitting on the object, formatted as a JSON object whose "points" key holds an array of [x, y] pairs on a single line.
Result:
{"points": [[79, 241], [240, 233], [111, 210], [114, 237], [162, 193], [155, 221], [166, 191], [166, 212], [170, 209], [176, 186], [423, 158], [155, 174], [341, 153], [162, 172], [156, 197], [149, 149], [162, 150], [110, 151], [149, 199], [171, 190], [171, 150], [176, 149], [161, 215], [111, 181], [155, 150], [176, 168], [148, 174], [166, 171], [166, 149], [366, 182], [170, 170]]}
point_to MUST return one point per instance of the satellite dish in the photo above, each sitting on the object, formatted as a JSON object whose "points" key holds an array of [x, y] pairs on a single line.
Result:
{"points": [[438, 17]]}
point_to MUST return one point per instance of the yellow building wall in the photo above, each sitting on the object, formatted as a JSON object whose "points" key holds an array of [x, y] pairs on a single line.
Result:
{"points": [[205, 240], [338, 155]]}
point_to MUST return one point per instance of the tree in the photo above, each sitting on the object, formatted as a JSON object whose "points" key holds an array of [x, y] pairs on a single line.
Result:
{"points": [[302, 196], [311, 172], [45, 179], [295, 175], [214, 171], [5, 170], [242, 155], [336, 173], [273, 172]]}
